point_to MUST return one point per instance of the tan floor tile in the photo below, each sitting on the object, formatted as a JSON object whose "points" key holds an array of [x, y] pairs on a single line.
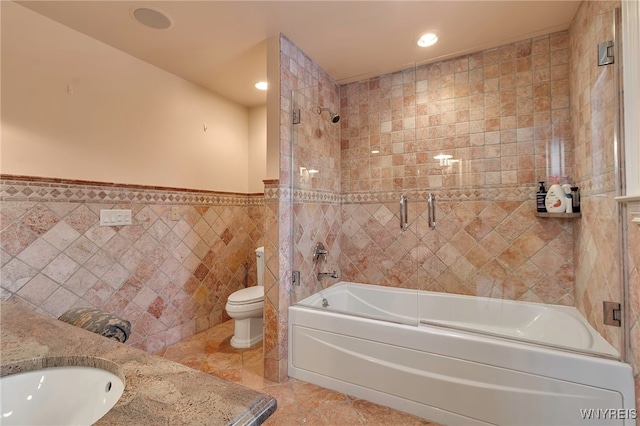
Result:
{"points": [[333, 413], [211, 346], [186, 348], [254, 381], [311, 396], [192, 361], [283, 394], [221, 361], [299, 403], [284, 418], [231, 375], [254, 362], [371, 413]]}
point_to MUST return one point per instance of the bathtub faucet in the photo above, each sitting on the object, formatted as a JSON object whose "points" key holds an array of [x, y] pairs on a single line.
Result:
{"points": [[322, 275]]}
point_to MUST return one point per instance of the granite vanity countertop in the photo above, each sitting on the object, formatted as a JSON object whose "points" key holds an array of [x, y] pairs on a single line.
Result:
{"points": [[157, 391]]}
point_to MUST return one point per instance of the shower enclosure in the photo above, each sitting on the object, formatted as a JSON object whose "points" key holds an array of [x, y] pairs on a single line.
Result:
{"points": [[460, 146]]}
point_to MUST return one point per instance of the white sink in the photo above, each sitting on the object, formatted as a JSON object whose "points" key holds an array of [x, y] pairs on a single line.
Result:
{"points": [[58, 396]]}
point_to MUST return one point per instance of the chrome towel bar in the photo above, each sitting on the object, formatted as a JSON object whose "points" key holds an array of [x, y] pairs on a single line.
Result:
{"points": [[404, 224], [431, 201]]}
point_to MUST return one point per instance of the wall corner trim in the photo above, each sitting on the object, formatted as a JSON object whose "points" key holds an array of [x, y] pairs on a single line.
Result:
{"points": [[633, 206]]}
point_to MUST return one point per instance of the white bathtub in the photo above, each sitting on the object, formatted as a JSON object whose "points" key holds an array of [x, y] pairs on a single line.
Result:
{"points": [[369, 343]]}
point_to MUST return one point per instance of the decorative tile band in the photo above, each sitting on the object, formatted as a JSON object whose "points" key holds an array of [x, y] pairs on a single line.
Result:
{"points": [[487, 193], [49, 190], [272, 192], [598, 185], [310, 196]]}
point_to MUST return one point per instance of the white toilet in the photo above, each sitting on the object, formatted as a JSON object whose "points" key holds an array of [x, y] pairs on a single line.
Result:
{"points": [[245, 307]]}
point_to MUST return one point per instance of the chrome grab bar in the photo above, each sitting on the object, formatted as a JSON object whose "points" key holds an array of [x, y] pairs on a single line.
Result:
{"points": [[404, 224], [431, 201]]}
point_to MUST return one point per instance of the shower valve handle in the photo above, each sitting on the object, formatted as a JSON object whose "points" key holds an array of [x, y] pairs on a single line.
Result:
{"points": [[320, 253]]}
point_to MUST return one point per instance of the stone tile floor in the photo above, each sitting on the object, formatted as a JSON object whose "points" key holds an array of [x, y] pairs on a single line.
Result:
{"points": [[298, 402]]}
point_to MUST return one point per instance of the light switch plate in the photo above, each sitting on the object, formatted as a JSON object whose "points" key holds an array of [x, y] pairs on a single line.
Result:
{"points": [[115, 217]]}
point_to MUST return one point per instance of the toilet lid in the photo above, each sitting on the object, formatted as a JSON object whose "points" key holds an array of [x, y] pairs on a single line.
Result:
{"points": [[247, 295]]}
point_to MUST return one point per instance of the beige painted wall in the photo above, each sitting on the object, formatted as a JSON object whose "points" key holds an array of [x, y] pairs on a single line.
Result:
{"points": [[257, 148], [274, 101], [125, 121]]}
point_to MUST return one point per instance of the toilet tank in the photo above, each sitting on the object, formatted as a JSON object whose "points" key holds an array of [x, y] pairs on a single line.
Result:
{"points": [[260, 264]]}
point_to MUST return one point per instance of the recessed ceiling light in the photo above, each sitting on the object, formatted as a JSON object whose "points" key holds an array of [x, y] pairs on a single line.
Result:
{"points": [[262, 85], [375, 151], [428, 39], [152, 18]]}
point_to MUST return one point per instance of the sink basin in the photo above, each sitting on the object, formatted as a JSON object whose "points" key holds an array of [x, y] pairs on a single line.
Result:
{"points": [[58, 396]]}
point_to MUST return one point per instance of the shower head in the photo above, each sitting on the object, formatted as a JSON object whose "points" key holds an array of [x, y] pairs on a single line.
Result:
{"points": [[334, 117]]}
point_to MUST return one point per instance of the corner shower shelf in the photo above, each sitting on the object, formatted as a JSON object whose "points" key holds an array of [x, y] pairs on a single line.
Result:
{"points": [[560, 215]]}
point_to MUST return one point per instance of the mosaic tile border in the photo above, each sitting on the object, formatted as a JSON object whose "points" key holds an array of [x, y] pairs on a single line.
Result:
{"points": [[33, 189], [316, 197], [495, 193], [277, 194], [598, 185]]}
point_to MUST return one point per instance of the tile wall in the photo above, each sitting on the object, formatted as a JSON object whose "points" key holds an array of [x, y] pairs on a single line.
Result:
{"points": [[170, 278], [505, 115], [277, 279], [309, 213], [316, 182], [597, 252], [502, 115]]}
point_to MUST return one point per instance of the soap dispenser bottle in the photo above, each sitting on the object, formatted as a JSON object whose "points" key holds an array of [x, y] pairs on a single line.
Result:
{"points": [[556, 199], [540, 198], [566, 187], [575, 198]]}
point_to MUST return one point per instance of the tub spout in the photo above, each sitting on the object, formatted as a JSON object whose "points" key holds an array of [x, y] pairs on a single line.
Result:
{"points": [[322, 275]]}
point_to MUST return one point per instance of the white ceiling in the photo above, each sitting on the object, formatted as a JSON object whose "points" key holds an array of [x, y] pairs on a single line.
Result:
{"points": [[221, 45]]}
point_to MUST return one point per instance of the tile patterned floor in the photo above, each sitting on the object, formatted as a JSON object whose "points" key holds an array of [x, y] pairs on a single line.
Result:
{"points": [[298, 402]]}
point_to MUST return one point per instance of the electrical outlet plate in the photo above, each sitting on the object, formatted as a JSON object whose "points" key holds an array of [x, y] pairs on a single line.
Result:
{"points": [[175, 213], [115, 217]]}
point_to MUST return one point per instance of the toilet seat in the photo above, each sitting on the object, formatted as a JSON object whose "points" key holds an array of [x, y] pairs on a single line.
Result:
{"points": [[246, 296]]}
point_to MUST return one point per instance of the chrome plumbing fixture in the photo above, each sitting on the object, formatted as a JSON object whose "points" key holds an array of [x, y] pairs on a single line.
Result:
{"points": [[431, 201], [323, 275], [319, 253], [404, 224], [334, 117], [246, 274], [325, 303]]}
